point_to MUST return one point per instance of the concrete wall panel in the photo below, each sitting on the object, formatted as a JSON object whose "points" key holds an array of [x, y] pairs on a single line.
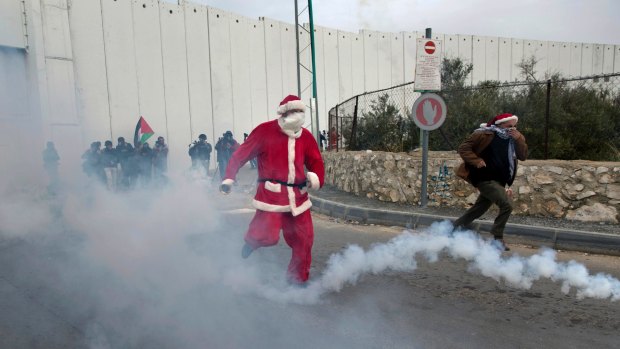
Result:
{"points": [[199, 68], [608, 59], [61, 90], [538, 50], [332, 84], [345, 71], [587, 55], [14, 94], [90, 67], [221, 82], [565, 56], [149, 69], [597, 59], [504, 59], [409, 54], [617, 59], [258, 75], [322, 108], [174, 58], [478, 58], [289, 59], [575, 59], [398, 65], [273, 61], [56, 29], [357, 64], [371, 60], [451, 46], [465, 52], [240, 73], [517, 57], [12, 33], [553, 57], [492, 58], [384, 60], [121, 66]]}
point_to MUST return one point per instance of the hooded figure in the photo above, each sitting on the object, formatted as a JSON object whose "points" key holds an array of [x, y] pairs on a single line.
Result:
{"points": [[490, 157], [283, 149]]}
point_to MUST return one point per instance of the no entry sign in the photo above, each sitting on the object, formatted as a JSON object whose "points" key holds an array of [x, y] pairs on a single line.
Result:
{"points": [[428, 65], [429, 111], [429, 47]]}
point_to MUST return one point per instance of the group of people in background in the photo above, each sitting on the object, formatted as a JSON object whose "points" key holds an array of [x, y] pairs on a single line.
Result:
{"points": [[124, 166], [200, 152]]}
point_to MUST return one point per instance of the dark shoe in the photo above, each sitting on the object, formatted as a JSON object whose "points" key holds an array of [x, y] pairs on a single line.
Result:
{"points": [[501, 244], [246, 251]]}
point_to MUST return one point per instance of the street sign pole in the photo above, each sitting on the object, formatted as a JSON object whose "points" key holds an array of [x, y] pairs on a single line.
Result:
{"points": [[423, 193]]}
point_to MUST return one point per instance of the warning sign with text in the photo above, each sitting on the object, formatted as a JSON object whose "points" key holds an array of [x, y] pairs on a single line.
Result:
{"points": [[428, 65]]}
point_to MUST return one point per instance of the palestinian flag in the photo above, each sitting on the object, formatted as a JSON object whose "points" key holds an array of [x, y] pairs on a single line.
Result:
{"points": [[143, 132]]}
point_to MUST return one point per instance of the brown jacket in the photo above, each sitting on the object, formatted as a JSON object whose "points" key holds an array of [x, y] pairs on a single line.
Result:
{"points": [[473, 146]]}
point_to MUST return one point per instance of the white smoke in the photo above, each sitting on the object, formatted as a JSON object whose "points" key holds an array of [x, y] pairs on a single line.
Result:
{"points": [[485, 257]]}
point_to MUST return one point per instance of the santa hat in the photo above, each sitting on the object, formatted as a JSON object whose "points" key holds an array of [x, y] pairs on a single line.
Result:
{"points": [[289, 103], [501, 118]]}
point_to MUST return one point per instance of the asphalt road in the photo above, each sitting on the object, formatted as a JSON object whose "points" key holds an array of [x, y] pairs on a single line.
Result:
{"points": [[62, 290]]}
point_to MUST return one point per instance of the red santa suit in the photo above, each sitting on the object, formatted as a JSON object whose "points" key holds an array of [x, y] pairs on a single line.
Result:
{"points": [[281, 197]]}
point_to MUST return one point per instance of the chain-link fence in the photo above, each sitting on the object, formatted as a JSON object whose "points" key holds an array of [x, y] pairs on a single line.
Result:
{"points": [[568, 119]]}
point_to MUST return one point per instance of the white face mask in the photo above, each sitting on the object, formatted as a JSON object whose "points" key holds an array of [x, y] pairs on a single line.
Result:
{"points": [[292, 122]]}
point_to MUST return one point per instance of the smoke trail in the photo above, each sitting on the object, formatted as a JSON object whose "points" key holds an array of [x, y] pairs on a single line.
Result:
{"points": [[485, 257]]}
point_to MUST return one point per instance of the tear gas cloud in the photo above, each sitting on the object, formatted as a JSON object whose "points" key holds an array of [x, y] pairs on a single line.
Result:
{"points": [[163, 266]]}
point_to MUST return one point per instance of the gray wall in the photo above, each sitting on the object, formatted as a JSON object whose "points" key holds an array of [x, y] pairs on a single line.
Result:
{"points": [[92, 68]]}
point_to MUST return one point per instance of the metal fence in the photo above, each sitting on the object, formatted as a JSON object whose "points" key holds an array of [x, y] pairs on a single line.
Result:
{"points": [[577, 118]]}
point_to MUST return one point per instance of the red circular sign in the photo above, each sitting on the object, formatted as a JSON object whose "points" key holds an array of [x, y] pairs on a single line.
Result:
{"points": [[429, 111], [429, 47]]}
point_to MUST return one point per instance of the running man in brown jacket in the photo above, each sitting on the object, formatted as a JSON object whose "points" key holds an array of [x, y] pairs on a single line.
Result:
{"points": [[490, 157]]}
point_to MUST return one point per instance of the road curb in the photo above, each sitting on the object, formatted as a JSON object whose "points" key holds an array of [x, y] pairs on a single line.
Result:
{"points": [[561, 239]]}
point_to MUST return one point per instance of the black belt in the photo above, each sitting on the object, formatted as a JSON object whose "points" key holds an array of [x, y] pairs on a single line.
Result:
{"points": [[300, 185]]}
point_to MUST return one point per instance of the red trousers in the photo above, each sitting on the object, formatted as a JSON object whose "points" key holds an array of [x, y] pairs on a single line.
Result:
{"points": [[298, 233]]}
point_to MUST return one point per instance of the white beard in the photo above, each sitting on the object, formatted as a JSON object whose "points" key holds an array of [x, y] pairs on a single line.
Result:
{"points": [[292, 123]]}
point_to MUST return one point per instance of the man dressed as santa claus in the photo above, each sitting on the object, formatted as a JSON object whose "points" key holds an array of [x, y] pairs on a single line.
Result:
{"points": [[282, 147]]}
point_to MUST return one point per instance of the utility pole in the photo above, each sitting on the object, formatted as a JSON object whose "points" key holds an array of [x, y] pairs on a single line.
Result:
{"points": [[312, 70]]}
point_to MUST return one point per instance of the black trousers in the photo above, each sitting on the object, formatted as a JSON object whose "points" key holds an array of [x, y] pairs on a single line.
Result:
{"points": [[491, 192]]}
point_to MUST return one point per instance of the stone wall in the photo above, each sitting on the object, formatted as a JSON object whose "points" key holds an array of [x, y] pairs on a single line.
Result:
{"points": [[574, 190]]}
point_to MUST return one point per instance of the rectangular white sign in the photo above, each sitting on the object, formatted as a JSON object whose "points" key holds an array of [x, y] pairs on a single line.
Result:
{"points": [[428, 65]]}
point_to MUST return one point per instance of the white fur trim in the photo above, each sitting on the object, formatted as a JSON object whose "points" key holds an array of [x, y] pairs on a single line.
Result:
{"points": [[273, 187], [263, 206], [296, 211], [313, 180], [291, 161], [501, 121], [290, 133], [290, 106], [228, 181]]}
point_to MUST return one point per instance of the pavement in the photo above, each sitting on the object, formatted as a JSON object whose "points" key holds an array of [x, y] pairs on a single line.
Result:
{"points": [[558, 234]]}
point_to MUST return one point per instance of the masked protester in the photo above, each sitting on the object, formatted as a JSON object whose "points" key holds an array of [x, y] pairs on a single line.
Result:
{"points": [[92, 162], [50, 162], [109, 160], [490, 157], [225, 147], [160, 159], [126, 160], [283, 149], [200, 153]]}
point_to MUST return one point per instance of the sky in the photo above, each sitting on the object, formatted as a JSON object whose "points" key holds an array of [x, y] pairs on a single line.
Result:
{"points": [[595, 21]]}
